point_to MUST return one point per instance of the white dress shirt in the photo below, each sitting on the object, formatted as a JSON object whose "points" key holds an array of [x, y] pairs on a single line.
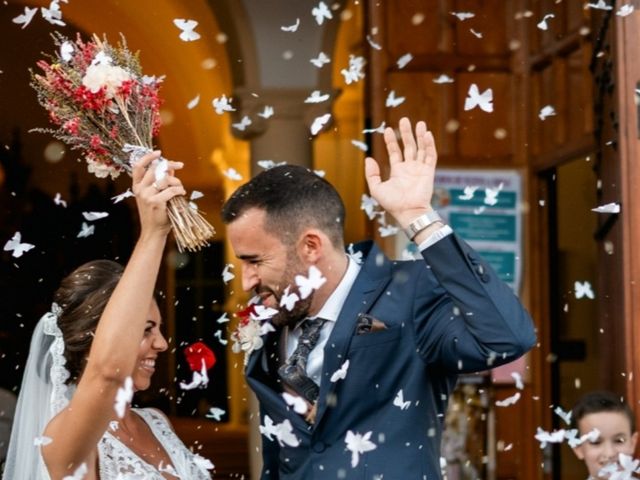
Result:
{"points": [[332, 307]]}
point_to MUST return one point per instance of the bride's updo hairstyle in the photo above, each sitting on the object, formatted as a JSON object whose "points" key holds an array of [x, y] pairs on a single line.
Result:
{"points": [[82, 296]]}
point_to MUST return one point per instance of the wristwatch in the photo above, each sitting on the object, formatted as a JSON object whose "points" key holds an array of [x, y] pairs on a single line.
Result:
{"points": [[422, 222]]}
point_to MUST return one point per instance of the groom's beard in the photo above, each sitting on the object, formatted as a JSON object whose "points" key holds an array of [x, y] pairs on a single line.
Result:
{"points": [[286, 318]]}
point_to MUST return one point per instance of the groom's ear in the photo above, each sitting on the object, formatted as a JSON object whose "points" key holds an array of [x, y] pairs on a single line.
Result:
{"points": [[312, 245]]}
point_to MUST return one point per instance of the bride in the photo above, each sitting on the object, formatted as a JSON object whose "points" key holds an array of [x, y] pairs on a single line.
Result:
{"points": [[99, 342]]}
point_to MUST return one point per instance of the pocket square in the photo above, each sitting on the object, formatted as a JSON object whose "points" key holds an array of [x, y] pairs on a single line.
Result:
{"points": [[369, 324]]}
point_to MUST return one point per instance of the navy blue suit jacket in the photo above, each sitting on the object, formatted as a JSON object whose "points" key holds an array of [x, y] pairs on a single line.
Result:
{"points": [[446, 315]]}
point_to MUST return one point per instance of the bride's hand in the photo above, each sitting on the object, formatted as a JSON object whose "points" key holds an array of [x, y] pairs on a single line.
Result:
{"points": [[152, 196]]}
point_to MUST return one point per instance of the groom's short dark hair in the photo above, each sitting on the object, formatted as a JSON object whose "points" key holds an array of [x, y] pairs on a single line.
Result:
{"points": [[293, 198]]}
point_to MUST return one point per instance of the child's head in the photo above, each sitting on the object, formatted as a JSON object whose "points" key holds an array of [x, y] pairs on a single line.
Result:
{"points": [[614, 420]]}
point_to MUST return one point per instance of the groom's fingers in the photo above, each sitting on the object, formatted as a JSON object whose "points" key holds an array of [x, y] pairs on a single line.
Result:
{"points": [[407, 139], [431, 152], [395, 155], [421, 136]]}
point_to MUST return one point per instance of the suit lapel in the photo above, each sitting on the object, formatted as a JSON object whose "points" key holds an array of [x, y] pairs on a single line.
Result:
{"points": [[369, 285]]}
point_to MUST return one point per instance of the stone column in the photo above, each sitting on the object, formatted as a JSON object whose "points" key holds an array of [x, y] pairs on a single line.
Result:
{"points": [[285, 136]]}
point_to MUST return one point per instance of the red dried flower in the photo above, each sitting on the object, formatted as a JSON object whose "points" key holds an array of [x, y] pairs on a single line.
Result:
{"points": [[198, 352]]}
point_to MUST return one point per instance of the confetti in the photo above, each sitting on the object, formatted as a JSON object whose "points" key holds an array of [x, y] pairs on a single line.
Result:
{"points": [[476, 99], [242, 124], [462, 16], [53, 15], [122, 196], [25, 18], [283, 432], [542, 25], [291, 28], [267, 112], [227, 275], [222, 105], [86, 230], [546, 111], [299, 405], [341, 373], [625, 10], [288, 300], [317, 97], [361, 145], [404, 60], [319, 122], [583, 289], [321, 12], [16, 247], [312, 282], [93, 216], [393, 101], [123, 397], [59, 201], [355, 71], [358, 444], [512, 400], [468, 192], [232, 174], [193, 102], [400, 402], [215, 413], [443, 79], [607, 208], [320, 60], [187, 33]]}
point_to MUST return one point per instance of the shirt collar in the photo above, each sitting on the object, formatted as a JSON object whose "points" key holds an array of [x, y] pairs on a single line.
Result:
{"points": [[332, 307]]}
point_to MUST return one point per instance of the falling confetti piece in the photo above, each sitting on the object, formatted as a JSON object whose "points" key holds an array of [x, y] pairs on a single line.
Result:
{"points": [[291, 28], [319, 123], [16, 247], [475, 99], [187, 33]]}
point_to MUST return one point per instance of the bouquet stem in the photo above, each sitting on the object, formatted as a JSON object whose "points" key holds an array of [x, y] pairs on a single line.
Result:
{"points": [[190, 229]]}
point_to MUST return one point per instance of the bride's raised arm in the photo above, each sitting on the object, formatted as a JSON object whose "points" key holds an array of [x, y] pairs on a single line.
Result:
{"points": [[113, 355]]}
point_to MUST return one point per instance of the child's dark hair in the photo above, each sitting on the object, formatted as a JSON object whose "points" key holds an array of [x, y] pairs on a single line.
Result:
{"points": [[601, 401]]}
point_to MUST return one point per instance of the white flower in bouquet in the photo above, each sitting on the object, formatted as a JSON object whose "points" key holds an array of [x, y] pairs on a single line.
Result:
{"points": [[111, 77]]}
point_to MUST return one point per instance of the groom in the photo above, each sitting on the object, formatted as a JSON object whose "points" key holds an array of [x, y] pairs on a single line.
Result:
{"points": [[354, 381]]}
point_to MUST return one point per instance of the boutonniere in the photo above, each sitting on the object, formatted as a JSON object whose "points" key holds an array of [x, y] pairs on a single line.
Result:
{"points": [[254, 323]]}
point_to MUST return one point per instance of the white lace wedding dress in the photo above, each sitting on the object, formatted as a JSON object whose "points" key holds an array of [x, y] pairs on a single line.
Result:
{"points": [[118, 462]]}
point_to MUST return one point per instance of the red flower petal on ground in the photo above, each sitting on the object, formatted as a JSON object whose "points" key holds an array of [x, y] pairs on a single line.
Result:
{"points": [[197, 352]]}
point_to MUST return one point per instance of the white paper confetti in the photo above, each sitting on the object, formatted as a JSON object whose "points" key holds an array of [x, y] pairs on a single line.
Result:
{"points": [[222, 104], [404, 60], [442, 78], [122, 196], [282, 432], [320, 60], [227, 275], [198, 379], [296, 402], [546, 111], [566, 416], [341, 373], [193, 102], [59, 201], [93, 216], [79, 473], [509, 400], [215, 413], [517, 378], [542, 25], [468, 192], [242, 125], [358, 444], [232, 174], [600, 5], [321, 12], [25, 18], [123, 397], [462, 16], [625, 10], [267, 112], [218, 335], [317, 97], [187, 33], [388, 230], [369, 205], [607, 208], [400, 402], [359, 144], [16, 247], [583, 289], [378, 129], [475, 34], [53, 15], [291, 28], [476, 99], [355, 71], [66, 51], [373, 44], [288, 300], [393, 101], [196, 195], [313, 281], [319, 122], [491, 194], [42, 441], [86, 230]]}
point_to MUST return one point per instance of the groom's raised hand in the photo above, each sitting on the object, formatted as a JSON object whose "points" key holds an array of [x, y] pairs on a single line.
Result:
{"points": [[406, 194]]}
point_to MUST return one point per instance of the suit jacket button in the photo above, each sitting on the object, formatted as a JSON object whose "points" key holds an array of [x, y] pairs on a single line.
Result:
{"points": [[319, 447], [480, 270], [485, 278], [472, 256]]}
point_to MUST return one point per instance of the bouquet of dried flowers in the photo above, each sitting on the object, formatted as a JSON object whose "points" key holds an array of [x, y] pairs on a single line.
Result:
{"points": [[102, 104]]}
